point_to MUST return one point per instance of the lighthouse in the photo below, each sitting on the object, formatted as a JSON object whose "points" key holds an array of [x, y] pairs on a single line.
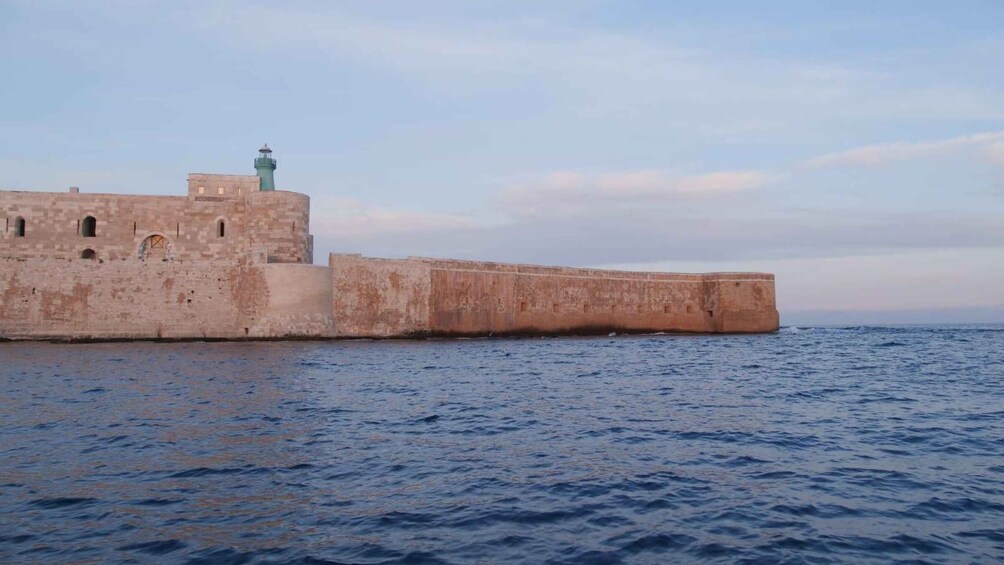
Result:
{"points": [[265, 165]]}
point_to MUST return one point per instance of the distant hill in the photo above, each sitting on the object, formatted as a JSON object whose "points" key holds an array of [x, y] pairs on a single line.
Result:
{"points": [[967, 315]]}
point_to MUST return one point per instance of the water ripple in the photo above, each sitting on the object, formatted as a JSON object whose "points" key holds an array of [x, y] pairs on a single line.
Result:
{"points": [[814, 445]]}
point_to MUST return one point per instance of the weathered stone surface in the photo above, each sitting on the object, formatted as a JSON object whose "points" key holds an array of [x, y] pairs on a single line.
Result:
{"points": [[252, 278], [277, 222], [388, 298], [81, 299]]}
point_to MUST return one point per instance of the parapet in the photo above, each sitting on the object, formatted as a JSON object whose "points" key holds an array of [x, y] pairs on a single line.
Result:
{"points": [[205, 186]]}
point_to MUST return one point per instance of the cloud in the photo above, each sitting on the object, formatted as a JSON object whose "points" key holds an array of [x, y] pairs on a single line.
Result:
{"points": [[347, 218], [729, 181], [612, 234], [597, 70], [569, 192], [878, 155], [995, 153]]}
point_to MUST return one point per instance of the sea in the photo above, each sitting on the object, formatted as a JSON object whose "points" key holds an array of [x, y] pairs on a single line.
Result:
{"points": [[811, 445]]}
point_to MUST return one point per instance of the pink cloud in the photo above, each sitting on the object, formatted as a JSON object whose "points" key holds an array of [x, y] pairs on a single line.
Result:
{"points": [[877, 155]]}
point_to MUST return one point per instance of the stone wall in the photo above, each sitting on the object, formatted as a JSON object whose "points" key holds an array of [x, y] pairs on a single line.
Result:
{"points": [[277, 221], [387, 298], [280, 222], [248, 298], [299, 303], [81, 299], [222, 186], [379, 297]]}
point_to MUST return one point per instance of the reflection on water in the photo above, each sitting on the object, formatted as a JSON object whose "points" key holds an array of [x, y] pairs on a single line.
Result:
{"points": [[846, 445]]}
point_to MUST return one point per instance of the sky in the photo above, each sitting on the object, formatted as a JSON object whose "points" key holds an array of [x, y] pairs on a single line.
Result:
{"points": [[854, 149]]}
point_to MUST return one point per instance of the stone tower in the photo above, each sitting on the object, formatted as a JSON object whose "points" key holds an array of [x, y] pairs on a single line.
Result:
{"points": [[265, 165]]}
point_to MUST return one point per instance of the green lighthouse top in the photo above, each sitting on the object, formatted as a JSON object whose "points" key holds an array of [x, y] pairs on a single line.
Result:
{"points": [[265, 166]]}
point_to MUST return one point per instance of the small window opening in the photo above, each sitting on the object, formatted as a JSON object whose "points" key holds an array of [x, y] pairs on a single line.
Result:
{"points": [[666, 309], [202, 190], [134, 228], [554, 308], [89, 227], [523, 306], [19, 225], [221, 228], [585, 308], [711, 313], [220, 190], [88, 254], [690, 309], [177, 229], [240, 190]]}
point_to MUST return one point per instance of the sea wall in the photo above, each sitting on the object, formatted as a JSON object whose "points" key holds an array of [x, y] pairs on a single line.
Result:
{"points": [[416, 296], [83, 299], [358, 297]]}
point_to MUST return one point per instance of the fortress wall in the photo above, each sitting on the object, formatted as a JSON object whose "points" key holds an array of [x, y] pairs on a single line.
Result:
{"points": [[81, 299], [299, 302], [276, 221], [500, 301], [280, 221], [361, 297], [52, 225], [746, 302], [384, 298], [379, 297]]}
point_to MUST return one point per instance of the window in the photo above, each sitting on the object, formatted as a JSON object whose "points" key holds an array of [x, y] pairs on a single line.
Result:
{"points": [[89, 227], [220, 190], [202, 190], [155, 246], [240, 190], [221, 227], [19, 227], [88, 254]]}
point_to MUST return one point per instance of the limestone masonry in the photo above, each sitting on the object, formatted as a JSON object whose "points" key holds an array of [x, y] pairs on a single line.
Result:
{"points": [[233, 260]]}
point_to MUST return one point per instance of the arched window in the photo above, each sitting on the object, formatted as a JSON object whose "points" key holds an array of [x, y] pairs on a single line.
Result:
{"points": [[155, 247], [89, 228], [221, 228], [88, 254], [19, 227]]}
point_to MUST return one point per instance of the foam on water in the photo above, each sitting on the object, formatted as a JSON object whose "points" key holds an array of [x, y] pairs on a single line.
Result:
{"points": [[836, 445]]}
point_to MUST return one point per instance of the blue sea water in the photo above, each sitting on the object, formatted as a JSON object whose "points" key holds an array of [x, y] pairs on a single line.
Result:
{"points": [[812, 445]]}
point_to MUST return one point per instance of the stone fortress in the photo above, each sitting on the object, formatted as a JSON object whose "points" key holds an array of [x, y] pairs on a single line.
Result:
{"points": [[234, 260]]}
